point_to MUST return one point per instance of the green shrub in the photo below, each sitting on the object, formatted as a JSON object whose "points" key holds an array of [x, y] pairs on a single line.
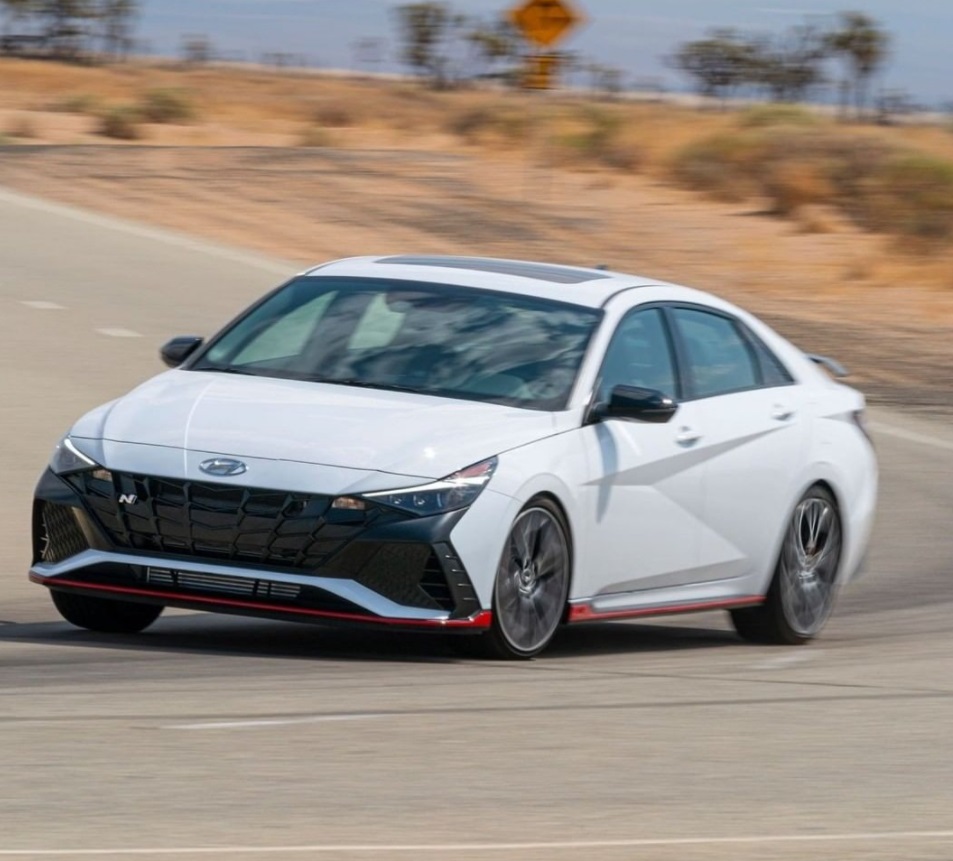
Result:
{"points": [[912, 195], [881, 187], [468, 124], [166, 106], [335, 115], [79, 103], [473, 124], [721, 165], [121, 122], [598, 138], [22, 127], [764, 116], [315, 136]]}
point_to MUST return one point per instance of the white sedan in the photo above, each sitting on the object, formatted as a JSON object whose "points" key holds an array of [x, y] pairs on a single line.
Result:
{"points": [[467, 445]]}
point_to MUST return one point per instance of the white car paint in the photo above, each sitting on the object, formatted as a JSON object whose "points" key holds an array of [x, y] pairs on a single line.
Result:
{"points": [[682, 514], [313, 423]]}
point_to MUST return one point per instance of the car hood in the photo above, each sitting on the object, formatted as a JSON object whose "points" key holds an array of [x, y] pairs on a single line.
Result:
{"points": [[313, 423]]}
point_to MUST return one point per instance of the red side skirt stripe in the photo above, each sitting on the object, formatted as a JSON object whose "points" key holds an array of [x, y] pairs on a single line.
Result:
{"points": [[586, 613]]}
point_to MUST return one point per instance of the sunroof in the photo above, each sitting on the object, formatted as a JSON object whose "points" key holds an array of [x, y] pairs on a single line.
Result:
{"points": [[539, 271]]}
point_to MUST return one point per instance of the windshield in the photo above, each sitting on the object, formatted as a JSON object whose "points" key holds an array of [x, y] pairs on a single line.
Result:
{"points": [[428, 338]]}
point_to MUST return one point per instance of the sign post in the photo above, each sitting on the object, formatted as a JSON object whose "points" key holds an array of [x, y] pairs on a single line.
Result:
{"points": [[544, 23]]}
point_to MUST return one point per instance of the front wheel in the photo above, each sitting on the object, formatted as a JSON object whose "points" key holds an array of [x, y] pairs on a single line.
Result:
{"points": [[105, 615], [532, 584], [801, 595]]}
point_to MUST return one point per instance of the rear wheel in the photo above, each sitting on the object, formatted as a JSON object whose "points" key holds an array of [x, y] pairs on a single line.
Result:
{"points": [[105, 614], [801, 595], [532, 585]]}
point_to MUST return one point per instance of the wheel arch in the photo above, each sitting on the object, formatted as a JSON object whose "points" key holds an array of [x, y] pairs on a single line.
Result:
{"points": [[553, 498], [822, 481]]}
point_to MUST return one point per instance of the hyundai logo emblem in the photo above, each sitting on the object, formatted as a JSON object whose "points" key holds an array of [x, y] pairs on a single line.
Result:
{"points": [[222, 466]]}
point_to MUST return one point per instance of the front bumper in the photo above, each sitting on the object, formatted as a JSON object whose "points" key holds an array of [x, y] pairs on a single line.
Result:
{"points": [[251, 552]]}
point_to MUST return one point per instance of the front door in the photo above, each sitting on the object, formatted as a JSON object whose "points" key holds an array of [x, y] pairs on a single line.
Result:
{"points": [[644, 496]]}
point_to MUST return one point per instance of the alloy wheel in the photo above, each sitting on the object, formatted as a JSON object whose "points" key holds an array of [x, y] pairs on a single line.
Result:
{"points": [[532, 581], [809, 562]]}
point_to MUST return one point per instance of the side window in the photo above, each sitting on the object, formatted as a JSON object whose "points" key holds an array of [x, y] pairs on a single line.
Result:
{"points": [[719, 358], [639, 355], [773, 372]]}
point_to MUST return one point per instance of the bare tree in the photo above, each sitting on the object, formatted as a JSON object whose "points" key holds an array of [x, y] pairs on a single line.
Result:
{"points": [[15, 12], [790, 64], [369, 53], [719, 63], [117, 20], [196, 49], [426, 31], [863, 45], [497, 46]]}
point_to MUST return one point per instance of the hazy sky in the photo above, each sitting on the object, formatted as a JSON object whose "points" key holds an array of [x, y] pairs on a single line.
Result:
{"points": [[631, 34]]}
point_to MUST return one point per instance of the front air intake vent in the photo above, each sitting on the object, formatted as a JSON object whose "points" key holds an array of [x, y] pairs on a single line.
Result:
{"points": [[221, 584], [60, 536]]}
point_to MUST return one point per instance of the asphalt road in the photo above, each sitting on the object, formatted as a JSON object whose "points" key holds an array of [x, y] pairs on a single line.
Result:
{"points": [[216, 737]]}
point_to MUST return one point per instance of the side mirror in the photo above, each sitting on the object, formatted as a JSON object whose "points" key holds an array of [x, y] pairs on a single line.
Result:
{"points": [[637, 404], [176, 351]]}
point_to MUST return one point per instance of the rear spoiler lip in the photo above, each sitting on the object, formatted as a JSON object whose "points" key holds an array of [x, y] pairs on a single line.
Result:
{"points": [[832, 365]]}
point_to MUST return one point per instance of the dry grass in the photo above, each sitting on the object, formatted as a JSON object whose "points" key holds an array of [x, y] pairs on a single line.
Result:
{"points": [[878, 180], [807, 168], [23, 127]]}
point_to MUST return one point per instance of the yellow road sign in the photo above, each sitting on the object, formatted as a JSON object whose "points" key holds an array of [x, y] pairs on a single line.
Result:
{"points": [[545, 21]]}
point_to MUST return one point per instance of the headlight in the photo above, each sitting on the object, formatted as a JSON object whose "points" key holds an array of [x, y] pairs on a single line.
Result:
{"points": [[68, 458], [455, 491]]}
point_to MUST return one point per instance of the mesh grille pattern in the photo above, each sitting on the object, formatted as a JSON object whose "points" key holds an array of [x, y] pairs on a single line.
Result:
{"points": [[62, 536], [188, 518], [262, 528]]}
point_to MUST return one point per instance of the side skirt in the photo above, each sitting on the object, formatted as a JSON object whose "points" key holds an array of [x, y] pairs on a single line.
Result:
{"points": [[583, 611]]}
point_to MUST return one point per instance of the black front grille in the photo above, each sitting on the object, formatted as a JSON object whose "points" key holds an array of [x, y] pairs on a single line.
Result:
{"points": [[215, 521], [61, 536], [221, 584]]}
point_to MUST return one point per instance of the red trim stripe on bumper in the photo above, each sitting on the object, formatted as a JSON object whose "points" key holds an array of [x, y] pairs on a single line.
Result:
{"points": [[478, 621]]}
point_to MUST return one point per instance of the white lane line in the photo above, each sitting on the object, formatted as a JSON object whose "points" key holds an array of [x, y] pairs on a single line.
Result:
{"points": [[911, 436], [156, 234], [371, 848], [245, 724], [119, 333], [41, 305]]}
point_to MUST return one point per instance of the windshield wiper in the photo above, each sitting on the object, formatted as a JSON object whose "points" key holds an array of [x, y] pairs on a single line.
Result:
{"points": [[365, 384], [230, 369]]}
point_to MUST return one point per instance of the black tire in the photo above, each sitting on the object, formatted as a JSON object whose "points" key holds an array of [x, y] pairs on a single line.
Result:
{"points": [[531, 587], [105, 615], [802, 592]]}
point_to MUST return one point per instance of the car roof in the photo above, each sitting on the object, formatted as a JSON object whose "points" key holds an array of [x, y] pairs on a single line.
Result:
{"points": [[576, 284]]}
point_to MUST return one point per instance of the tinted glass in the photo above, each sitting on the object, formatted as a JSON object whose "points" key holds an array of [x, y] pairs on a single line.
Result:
{"points": [[427, 338], [719, 359], [639, 355], [773, 372]]}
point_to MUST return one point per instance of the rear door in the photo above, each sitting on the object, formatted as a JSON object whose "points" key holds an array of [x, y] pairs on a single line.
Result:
{"points": [[751, 434]]}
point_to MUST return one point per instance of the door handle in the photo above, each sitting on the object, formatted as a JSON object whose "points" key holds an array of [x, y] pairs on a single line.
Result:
{"points": [[782, 412], [687, 436]]}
